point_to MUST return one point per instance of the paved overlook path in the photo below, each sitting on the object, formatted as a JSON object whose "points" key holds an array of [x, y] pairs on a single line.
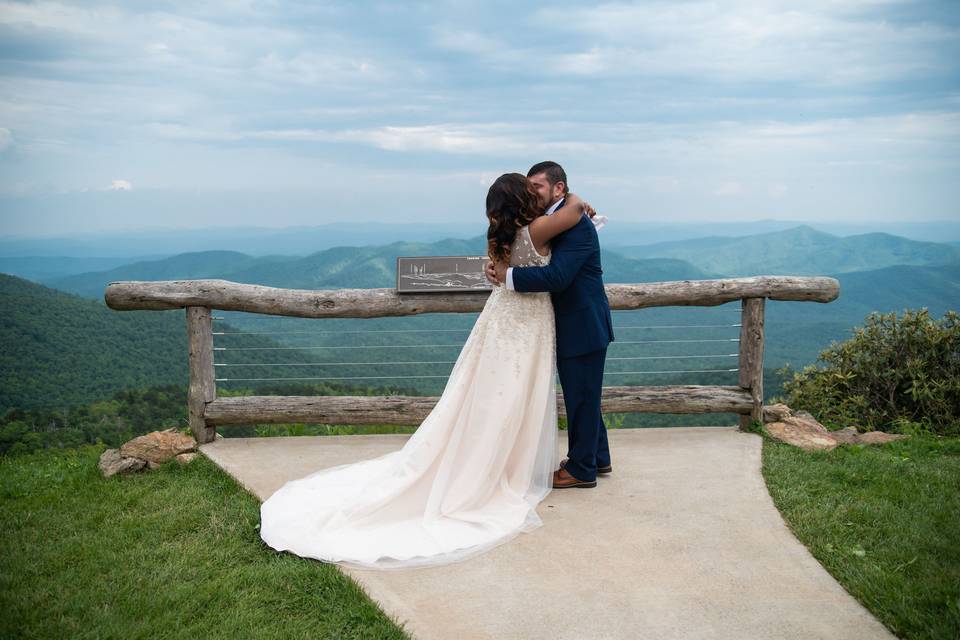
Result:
{"points": [[681, 541]]}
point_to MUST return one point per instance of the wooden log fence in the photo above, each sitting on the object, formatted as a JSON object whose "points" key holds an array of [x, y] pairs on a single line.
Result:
{"points": [[206, 411]]}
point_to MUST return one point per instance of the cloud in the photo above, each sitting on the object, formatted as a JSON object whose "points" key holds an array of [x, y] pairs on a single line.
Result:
{"points": [[813, 42], [120, 185], [316, 68], [729, 189], [661, 106], [445, 138]]}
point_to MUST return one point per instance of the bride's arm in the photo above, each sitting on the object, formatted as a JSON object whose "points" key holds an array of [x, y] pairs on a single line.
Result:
{"points": [[544, 228]]}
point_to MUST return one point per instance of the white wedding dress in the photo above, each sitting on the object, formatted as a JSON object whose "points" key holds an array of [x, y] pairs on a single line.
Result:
{"points": [[471, 476]]}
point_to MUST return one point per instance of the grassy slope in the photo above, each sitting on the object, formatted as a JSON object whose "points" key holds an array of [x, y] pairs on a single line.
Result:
{"points": [[884, 521], [173, 553]]}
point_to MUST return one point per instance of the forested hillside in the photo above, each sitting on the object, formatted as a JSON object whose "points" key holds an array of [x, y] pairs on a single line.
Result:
{"points": [[340, 267], [60, 349]]}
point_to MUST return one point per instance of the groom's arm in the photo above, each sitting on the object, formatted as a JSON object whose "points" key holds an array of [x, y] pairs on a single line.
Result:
{"points": [[557, 275]]}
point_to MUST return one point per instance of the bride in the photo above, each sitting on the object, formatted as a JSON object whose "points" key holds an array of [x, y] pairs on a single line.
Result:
{"points": [[471, 476]]}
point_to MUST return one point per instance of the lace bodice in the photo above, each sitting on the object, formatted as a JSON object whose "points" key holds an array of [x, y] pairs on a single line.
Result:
{"points": [[523, 253]]}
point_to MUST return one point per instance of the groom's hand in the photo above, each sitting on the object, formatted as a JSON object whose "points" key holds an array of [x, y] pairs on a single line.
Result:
{"points": [[490, 271], [501, 272]]}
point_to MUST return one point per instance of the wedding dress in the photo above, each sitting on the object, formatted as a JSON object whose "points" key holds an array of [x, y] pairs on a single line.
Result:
{"points": [[470, 477]]}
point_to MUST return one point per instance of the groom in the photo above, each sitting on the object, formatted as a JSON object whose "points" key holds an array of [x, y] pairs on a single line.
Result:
{"points": [[584, 328]]}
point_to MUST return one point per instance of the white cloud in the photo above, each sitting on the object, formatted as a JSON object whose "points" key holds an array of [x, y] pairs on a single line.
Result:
{"points": [[729, 189], [777, 189], [826, 42], [441, 138], [469, 138], [316, 68], [664, 184], [120, 185], [661, 105]]}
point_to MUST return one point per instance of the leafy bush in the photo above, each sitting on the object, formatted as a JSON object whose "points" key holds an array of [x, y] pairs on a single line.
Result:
{"points": [[894, 372]]}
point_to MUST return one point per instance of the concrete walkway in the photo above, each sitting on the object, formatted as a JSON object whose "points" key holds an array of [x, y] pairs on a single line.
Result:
{"points": [[681, 541]]}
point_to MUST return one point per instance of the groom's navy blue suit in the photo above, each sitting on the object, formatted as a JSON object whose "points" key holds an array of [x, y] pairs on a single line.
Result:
{"points": [[584, 329]]}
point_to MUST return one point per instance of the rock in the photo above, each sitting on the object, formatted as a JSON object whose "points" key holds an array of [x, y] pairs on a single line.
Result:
{"points": [[847, 435], [806, 415], [802, 430], [112, 463], [185, 458], [776, 412], [879, 437], [806, 433], [158, 446]]}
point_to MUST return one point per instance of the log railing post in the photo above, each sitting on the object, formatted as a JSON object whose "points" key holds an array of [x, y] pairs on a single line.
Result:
{"points": [[202, 386], [751, 358]]}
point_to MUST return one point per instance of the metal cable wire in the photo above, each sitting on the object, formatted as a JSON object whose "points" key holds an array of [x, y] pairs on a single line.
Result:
{"points": [[261, 333], [737, 309], [608, 373], [624, 373], [343, 364], [321, 364], [414, 346], [336, 378]]}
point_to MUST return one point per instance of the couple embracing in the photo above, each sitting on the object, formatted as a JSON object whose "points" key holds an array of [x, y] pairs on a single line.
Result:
{"points": [[471, 476]]}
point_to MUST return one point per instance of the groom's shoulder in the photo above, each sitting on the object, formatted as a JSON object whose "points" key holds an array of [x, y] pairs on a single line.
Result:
{"points": [[577, 233], [585, 227]]}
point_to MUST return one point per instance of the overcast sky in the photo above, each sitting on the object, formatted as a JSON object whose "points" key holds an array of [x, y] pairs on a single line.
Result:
{"points": [[193, 114]]}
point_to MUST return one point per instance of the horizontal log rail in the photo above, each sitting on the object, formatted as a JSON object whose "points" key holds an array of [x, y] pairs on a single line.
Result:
{"points": [[206, 411], [369, 303], [411, 410]]}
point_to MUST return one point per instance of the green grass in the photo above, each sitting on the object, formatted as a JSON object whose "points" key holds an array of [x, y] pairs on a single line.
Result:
{"points": [[171, 553], [884, 520], [176, 552]]}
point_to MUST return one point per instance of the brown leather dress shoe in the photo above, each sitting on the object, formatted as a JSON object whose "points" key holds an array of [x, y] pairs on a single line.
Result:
{"points": [[563, 480], [600, 470]]}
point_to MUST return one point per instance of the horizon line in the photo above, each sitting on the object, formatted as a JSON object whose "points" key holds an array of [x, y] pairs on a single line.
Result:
{"points": [[681, 223]]}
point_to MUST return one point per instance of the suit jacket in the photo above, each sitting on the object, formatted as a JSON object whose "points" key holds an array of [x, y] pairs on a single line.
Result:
{"points": [[574, 281]]}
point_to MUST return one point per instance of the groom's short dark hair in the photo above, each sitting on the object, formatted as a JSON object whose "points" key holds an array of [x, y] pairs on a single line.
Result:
{"points": [[553, 171]]}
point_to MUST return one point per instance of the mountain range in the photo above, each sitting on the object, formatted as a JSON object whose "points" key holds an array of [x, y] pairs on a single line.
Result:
{"points": [[134, 245], [802, 250], [340, 267], [62, 345]]}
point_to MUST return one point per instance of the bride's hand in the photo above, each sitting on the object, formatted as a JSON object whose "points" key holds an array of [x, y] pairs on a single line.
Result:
{"points": [[489, 270]]}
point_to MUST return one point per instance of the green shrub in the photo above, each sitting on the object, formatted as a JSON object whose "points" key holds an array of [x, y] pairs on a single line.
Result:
{"points": [[893, 374]]}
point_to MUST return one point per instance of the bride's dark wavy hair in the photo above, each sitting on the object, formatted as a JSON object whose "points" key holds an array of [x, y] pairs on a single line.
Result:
{"points": [[512, 202]]}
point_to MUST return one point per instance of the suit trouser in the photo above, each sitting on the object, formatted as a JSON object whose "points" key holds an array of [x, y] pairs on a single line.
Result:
{"points": [[582, 380]]}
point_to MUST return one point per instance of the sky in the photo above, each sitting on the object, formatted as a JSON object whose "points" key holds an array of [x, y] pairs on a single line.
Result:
{"points": [[141, 115]]}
